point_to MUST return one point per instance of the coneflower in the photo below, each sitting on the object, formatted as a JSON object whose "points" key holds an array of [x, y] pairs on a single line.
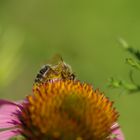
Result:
{"points": [[61, 110]]}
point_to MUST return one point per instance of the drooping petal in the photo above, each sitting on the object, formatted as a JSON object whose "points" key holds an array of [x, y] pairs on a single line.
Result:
{"points": [[7, 134], [7, 117], [117, 132], [4, 124], [8, 121], [7, 107]]}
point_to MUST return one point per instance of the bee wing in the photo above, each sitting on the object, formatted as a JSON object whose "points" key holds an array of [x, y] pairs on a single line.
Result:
{"points": [[56, 59]]}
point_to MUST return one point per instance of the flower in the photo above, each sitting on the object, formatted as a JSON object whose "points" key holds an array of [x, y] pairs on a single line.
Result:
{"points": [[61, 110]]}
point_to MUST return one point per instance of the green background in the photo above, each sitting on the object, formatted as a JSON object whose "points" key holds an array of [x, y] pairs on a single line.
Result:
{"points": [[85, 33]]}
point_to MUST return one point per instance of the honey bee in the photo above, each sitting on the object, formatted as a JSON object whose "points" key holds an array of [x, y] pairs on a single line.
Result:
{"points": [[55, 71]]}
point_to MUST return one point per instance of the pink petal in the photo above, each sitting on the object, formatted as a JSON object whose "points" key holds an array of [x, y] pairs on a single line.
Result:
{"points": [[117, 131], [6, 125], [7, 118], [8, 121], [6, 107], [7, 134]]}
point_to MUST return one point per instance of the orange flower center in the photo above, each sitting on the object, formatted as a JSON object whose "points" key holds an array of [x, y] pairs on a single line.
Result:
{"points": [[67, 110]]}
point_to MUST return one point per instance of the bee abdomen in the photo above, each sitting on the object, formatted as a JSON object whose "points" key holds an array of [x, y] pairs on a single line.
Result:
{"points": [[40, 75]]}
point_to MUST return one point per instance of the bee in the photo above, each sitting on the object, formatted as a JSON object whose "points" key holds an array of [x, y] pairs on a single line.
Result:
{"points": [[55, 71]]}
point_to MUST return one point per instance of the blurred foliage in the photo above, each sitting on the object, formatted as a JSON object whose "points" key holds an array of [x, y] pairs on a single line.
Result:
{"points": [[85, 34], [10, 56], [135, 64]]}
